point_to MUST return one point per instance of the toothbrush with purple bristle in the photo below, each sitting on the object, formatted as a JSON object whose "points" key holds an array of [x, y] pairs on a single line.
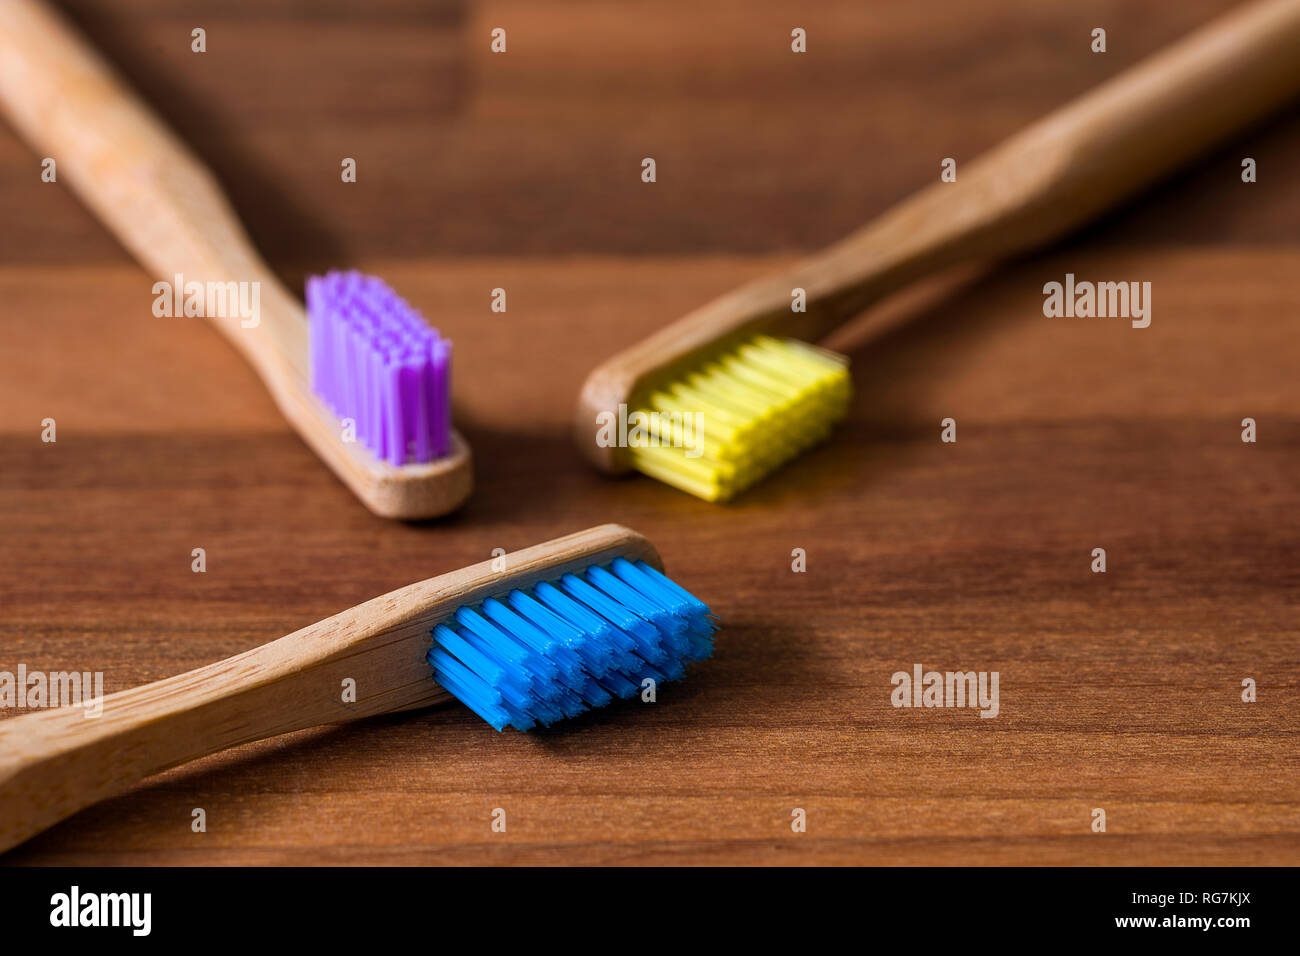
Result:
{"points": [[366, 386]]}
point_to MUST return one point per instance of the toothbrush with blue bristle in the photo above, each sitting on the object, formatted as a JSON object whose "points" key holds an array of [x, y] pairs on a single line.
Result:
{"points": [[568, 626], [366, 388]]}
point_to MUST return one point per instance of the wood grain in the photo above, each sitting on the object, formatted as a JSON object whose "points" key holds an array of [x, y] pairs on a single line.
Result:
{"points": [[1119, 691], [1043, 183]]}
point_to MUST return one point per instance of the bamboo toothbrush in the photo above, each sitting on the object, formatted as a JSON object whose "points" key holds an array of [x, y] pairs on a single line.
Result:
{"points": [[568, 625], [386, 374], [716, 400]]}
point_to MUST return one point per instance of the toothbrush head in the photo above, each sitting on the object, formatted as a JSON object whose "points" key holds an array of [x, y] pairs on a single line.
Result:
{"points": [[718, 419], [382, 377], [539, 654]]}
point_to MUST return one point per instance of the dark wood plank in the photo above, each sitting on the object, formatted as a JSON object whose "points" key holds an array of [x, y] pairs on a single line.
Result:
{"points": [[1119, 691], [538, 151]]}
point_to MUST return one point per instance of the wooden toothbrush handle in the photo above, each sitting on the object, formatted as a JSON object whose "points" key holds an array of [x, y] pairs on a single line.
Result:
{"points": [[55, 762], [1070, 166], [155, 196], [167, 209], [1053, 176]]}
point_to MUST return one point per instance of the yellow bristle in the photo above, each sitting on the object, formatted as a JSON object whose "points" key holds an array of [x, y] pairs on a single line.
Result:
{"points": [[758, 405]]}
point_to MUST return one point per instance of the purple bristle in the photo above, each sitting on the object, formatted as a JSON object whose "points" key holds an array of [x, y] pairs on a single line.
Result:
{"points": [[376, 361]]}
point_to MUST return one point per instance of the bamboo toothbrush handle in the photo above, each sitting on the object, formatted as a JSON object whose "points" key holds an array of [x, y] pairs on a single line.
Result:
{"points": [[1051, 177], [54, 762], [168, 211], [155, 196]]}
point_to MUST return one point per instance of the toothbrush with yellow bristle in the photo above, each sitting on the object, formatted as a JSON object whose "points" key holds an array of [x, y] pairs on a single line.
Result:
{"points": [[365, 382], [720, 398]]}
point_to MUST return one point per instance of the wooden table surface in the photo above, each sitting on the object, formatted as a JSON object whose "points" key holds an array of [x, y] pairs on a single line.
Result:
{"points": [[1119, 691]]}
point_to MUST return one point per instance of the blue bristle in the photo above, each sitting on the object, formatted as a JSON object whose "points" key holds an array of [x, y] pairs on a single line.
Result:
{"points": [[562, 647], [617, 684], [473, 692], [587, 621], [595, 657], [569, 663]]}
